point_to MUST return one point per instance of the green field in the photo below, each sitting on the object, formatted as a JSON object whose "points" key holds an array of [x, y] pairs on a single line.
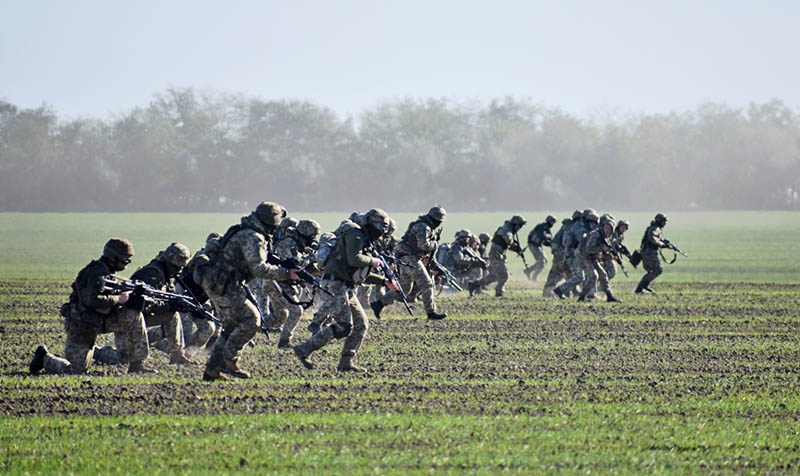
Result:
{"points": [[700, 378]]}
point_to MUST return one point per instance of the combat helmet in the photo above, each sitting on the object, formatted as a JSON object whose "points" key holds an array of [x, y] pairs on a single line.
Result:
{"points": [[551, 220], [437, 213], [463, 233], [270, 213], [484, 238], [576, 215], [518, 220], [308, 229], [176, 254], [624, 222], [378, 218], [660, 219], [592, 216], [119, 252], [288, 222]]}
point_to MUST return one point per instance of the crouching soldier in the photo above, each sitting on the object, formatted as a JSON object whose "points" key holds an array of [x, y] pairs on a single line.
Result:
{"points": [[91, 311]]}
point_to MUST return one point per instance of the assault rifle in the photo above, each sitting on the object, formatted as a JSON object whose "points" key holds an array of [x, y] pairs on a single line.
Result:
{"points": [[178, 302], [445, 273], [305, 276], [519, 250], [674, 248], [615, 254], [392, 276]]}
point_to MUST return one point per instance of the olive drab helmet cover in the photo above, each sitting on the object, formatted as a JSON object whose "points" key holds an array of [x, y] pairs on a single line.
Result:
{"points": [[308, 229], [551, 220], [660, 219], [462, 234], [437, 213], [484, 238], [378, 220], [119, 252], [517, 221], [176, 254], [270, 213]]}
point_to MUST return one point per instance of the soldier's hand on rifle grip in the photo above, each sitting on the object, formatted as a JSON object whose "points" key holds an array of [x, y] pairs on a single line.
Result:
{"points": [[391, 284], [377, 263], [293, 274], [122, 298]]}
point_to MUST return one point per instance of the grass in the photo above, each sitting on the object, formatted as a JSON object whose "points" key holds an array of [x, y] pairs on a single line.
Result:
{"points": [[700, 378]]}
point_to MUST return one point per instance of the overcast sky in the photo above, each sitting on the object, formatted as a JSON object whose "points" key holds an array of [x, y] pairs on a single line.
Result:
{"points": [[101, 58]]}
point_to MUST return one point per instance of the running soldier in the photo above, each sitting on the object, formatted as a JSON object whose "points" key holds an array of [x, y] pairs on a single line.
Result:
{"points": [[560, 269], [242, 258], [505, 238], [349, 266], [417, 245], [463, 260], [91, 311], [591, 249], [652, 241], [588, 222], [538, 237]]}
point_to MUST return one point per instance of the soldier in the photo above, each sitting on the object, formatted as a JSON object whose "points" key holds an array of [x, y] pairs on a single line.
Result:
{"points": [[463, 259], [417, 245], [591, 249], [504, 238], [538, 237], [288, 304], [483, 247], [579, 230], [560, 269], [349, 266], [616, 239], [160, 317], [242, 258], [197, 332], [652, 241], [385, 245], [90, 311]]}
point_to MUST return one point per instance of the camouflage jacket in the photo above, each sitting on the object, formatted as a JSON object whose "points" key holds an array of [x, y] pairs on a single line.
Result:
{"points": [[558, 239], [463, 257], [419, 240], [246, 252], [87, 289], [502, 239], [652, 239], [593, 245], [540, 235]]}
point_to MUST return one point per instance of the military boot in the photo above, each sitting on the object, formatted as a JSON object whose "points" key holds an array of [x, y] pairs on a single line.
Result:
{"points": [[179, 357], [138, 367], [283, 343], [559, 293], [436, 316], [610, 297], [499, 293], [214, 374], [377, 307], [231, 367], [346, 365], [302, 356], [474, 288], [37, 364]]}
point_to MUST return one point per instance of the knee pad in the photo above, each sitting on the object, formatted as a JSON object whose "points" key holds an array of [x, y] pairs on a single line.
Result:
{"points": [[341, 329]]}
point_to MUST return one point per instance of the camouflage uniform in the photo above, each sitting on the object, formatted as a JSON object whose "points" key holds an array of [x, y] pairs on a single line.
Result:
{"points": [[348, 267], [160, 317], [197, 331], [504, 238], [559, 270], [577, 232], [652, 241], [289, 302], [591, 250], [90, 311], [242, 258], [418, 244], [464, 259], [538, 237], [616, 239]]}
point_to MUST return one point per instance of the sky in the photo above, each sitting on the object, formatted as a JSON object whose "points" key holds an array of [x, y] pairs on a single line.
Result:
{"points": [[102, 58]]}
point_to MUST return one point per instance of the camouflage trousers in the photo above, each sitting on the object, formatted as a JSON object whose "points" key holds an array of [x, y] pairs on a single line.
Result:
{"points": [[240, 322], [558, 272], [497, 271], [416, 282], [196, 331], [576, 272], [537, 267], [349, 321], [285, 314], [326, 308], [266, 290], [593, 272], [652, 265], [80, 346]]}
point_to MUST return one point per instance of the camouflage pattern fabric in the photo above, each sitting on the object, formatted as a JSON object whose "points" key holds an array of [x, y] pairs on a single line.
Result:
{"points": [[591, 250], [651, 243], [498, 271], [418, 242]]}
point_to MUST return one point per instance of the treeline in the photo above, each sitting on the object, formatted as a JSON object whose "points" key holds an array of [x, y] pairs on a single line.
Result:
{"points": [[193, 152]]}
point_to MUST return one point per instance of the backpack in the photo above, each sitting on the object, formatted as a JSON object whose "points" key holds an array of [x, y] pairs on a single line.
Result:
{"points": [[327, 243], [443, 256]]}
